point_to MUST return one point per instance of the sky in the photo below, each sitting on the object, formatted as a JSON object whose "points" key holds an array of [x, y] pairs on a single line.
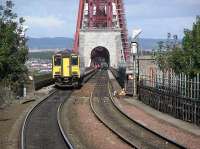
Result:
{"points": [[57, 18]]}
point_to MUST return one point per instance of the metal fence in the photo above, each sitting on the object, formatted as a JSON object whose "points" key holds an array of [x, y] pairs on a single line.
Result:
{"points": [[177, 95], [5, 94]]}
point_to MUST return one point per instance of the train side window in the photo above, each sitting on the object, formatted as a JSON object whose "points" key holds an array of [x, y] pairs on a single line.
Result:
{"points": [[57, 61], [74, 61]]}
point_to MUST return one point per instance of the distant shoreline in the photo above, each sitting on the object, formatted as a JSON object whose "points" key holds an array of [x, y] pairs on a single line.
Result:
{"points": [[44, 50], [59, 43]]}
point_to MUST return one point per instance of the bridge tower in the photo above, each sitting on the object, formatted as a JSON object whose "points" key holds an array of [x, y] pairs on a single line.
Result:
{"points": [[101, 33]]}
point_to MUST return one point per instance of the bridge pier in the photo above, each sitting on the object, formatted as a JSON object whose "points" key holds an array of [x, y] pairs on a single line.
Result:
{"points": [[108, 39]]}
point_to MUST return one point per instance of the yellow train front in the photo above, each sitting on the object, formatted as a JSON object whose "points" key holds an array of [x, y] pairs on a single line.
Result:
{"points": [[66, 69]]}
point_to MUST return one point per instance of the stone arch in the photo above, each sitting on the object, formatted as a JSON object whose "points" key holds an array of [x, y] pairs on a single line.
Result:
{"points": [[100, 56], [109, 39]]}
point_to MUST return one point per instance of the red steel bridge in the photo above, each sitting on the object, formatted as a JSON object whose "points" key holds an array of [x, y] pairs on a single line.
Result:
{"points": [[97, 21]]}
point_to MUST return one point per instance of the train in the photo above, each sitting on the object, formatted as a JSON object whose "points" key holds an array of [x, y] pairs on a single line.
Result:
{"points": [[67, 69]]}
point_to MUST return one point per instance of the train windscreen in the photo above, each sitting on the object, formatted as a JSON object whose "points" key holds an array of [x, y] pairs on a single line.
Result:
{"points": [[57, 61], [74, 60]]}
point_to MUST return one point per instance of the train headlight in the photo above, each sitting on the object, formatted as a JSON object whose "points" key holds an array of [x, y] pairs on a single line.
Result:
{"points": [[130, 77], [57, 73]]}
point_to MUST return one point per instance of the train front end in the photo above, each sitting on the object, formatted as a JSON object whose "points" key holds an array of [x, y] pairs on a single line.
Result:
{"points": [[67, 71]]}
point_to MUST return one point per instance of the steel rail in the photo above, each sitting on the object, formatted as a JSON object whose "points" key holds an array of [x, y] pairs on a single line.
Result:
{"points": [[109, 127], [28, 115], [133, 125], [65, 138], [61, 128], [148, 129]]}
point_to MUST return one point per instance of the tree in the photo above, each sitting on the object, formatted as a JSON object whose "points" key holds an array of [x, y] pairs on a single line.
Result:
{"points": [[13, 49], [184, 59], [191, 48]]}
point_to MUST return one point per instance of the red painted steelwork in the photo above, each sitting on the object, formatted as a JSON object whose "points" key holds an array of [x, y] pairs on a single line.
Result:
{"points": [[78, 26], [109, 13], [123, 26], [90, 13], [100, 16]]}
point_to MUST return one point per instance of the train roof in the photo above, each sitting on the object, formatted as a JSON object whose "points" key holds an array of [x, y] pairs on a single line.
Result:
{"points": [[65, 53]]}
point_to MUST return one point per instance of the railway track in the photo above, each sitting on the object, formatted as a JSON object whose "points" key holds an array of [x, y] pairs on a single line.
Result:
{"points": [[134, 134], [42, 127]]}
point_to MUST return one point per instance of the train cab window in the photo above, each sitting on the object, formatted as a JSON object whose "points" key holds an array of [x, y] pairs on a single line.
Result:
{"points": [[57, 61], [74, 60]]}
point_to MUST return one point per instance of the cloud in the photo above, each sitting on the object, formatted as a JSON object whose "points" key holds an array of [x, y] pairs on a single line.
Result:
{"points": [[44, 22], [159, 27], [160, 9], [161, 2], [155, 17], [49, 26], [187, 2]]}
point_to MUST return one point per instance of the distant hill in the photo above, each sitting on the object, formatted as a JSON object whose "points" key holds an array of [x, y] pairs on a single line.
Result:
{"points": [[148, 44], [50, 43], [63, 43]]}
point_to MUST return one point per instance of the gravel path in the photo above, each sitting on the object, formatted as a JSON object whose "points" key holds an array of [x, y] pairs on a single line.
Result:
{"points": [[167, 126], [187, 139]]}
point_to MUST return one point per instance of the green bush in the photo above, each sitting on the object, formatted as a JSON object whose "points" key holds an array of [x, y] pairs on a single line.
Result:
{"points": [[13, 49], [185, 59]]}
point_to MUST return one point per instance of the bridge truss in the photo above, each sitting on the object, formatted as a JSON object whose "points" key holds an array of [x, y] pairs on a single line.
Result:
{"points": [[102, 14]]}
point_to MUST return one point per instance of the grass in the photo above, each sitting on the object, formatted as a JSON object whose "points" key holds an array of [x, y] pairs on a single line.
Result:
{"points": [[42, 80]]}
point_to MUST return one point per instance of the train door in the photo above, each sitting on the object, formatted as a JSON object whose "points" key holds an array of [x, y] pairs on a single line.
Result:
{"points": [[56, 65], [66, 67], [75, 62]]}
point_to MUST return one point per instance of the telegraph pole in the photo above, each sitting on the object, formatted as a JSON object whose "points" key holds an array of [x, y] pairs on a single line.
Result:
{"points": [[135, 56]]}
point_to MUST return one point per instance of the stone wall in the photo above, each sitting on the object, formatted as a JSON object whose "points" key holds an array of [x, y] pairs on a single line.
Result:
{"points": [[147, 65], [109, 39]]}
